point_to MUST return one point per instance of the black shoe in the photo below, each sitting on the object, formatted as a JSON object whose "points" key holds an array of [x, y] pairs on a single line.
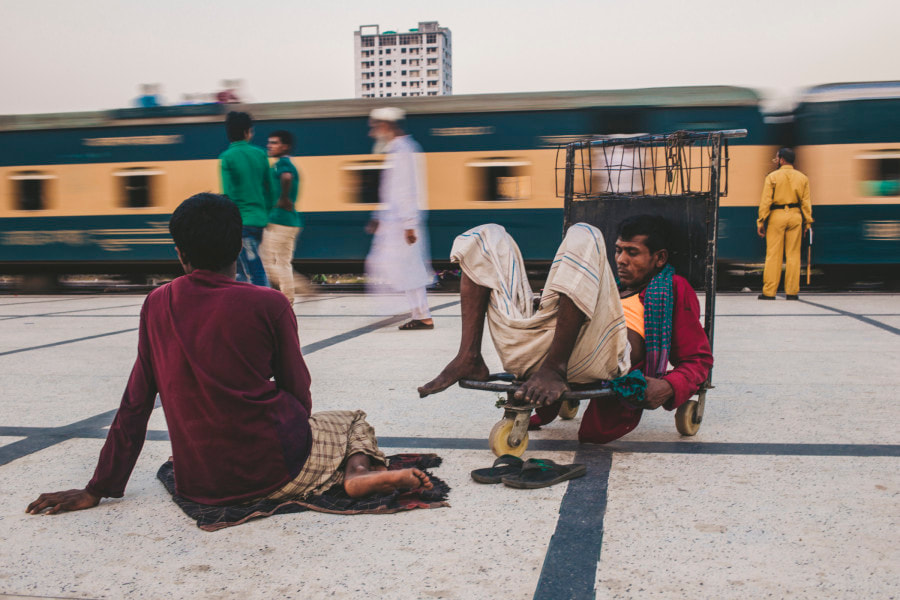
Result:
{"points": [[792, 297], [764, 297]]}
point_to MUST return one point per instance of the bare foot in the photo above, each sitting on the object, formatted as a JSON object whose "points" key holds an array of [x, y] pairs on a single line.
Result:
{"points": [[544, 387], [461, 367], [384, 482]]}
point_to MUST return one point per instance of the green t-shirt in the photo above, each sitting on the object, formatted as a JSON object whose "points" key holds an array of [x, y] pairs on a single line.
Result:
{"points": [[280, 216], [247, 182]]}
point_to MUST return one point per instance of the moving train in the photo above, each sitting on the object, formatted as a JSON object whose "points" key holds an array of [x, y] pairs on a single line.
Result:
{"points": [[93, 191]]}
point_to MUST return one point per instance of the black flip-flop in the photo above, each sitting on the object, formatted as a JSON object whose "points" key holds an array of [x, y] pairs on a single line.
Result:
{"points": [[505, 465], [415, 324], [541, 472]]}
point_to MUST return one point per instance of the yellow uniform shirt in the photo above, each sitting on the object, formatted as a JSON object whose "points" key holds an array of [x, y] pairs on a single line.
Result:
{"points": [[785, 186]]}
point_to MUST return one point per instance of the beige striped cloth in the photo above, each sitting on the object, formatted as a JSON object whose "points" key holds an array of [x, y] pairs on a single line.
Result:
{"points": [[521, 334], [336, 435]]}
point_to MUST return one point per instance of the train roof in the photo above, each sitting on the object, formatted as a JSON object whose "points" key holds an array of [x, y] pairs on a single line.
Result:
{"points": [[692, 96], [861, 90]]}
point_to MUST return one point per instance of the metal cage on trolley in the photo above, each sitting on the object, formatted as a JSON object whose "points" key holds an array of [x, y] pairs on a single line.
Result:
{"points": [[680, 176]]}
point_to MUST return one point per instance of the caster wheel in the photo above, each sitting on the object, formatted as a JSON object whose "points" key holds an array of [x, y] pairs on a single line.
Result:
{"points": [[499, 439], [568, 409], [684, 418]]}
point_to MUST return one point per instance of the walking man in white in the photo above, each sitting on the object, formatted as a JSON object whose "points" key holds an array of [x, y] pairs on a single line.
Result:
{"points": [[398, 259]]}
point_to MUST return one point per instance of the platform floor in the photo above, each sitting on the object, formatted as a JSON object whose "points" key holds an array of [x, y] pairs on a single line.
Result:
{"points": [[791, 489]]}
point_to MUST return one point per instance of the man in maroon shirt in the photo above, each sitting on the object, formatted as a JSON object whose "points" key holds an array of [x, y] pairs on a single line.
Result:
{"points": [[641, 255], [211, 347]]}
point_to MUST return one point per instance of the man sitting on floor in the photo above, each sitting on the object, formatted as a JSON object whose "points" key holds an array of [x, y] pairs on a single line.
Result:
{"points": [[586, 328], [210, 346]]}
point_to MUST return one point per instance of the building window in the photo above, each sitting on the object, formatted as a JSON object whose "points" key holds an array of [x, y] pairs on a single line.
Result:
{"points": [[403, 62], [31, 189], [431, 38], [432, 93], [499, 179], [403, 73], [880, 174], [432, 61], [414, 73], [402, 50], [388, 84], [404, 85], [367, 41], [432, 50], [409, 39], [389, 40], [432, 83], [403, 94], [137, 186], [432, 72], [360, 181], [388, 95], [414, 62]]}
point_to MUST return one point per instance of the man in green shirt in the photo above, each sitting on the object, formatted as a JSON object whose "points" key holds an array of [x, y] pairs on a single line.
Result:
{"points": [[246, 182], [285, 223]]}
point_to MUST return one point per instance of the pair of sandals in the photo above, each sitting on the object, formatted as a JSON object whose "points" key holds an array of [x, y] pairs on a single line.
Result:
{"points": [[528, 474], [415, 324]]}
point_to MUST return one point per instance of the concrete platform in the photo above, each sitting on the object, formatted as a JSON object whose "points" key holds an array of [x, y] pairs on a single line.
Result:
{"points": [[789, 490]]}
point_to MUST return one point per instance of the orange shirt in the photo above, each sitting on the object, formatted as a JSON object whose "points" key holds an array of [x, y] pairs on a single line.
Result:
{"points": [[634, 313]]}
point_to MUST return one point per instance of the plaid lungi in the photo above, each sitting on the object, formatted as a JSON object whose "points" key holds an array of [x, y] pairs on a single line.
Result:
{"points": [[489, 256], [336, 435]]}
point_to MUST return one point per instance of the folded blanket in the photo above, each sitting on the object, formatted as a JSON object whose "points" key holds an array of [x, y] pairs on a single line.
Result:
{"points": [[335, 500]]}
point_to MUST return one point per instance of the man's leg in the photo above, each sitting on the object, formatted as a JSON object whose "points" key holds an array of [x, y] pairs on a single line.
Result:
{"points": [[418, 305], [774, 252], [792, 238], [361, 479], [468, 363], [252, 266], [267, 253]]}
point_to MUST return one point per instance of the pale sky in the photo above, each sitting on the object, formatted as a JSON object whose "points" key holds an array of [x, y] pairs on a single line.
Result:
{"points": [[71, 55]]}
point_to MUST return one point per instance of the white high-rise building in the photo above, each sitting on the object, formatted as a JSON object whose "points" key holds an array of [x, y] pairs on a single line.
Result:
{"points": [[392, 64]]}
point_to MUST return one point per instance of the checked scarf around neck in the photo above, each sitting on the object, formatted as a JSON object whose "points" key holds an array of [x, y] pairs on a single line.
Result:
{"points": [[658, 301]]}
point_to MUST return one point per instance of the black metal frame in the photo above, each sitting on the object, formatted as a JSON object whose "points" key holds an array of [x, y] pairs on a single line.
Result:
{"points": [[679, 162]]}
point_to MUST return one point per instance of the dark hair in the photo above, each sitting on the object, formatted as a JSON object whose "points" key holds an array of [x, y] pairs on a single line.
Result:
{"points": [[207, 230], [285, 136], [237, 124], [657, 229], [787, 155]]}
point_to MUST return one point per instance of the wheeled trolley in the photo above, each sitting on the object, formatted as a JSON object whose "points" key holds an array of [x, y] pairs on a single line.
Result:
{"points": [[680, 176]]}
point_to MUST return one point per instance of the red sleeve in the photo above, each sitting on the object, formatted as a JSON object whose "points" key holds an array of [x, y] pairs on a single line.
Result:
{"points": [[690, 352], [129, 428], [291, 374]]}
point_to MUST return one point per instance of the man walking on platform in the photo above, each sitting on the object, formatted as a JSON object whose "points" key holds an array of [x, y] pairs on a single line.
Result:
{"points": [[285, 223], [785, 212], [399, 255], [246, 181]]}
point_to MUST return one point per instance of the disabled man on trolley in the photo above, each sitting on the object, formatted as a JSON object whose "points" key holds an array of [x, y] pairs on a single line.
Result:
{"points": [[586, 326]]}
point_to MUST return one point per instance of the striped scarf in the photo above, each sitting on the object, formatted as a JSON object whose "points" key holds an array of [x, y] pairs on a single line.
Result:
{"points": [[658, 301]]}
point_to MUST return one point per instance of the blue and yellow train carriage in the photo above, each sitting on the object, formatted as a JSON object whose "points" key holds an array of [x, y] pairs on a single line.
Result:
{"points": [[93, 191]]}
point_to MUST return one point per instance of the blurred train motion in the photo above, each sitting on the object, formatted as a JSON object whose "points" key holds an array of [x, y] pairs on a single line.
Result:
{"points": [[92, 192]]}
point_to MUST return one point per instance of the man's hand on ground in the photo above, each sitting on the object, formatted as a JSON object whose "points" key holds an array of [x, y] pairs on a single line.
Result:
{"points": [[410, 236], [658, 393], [544, 387], [63, 501]]}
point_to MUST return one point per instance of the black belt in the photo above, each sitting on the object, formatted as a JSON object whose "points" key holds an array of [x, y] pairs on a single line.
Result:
{"points": [[794, 205]]}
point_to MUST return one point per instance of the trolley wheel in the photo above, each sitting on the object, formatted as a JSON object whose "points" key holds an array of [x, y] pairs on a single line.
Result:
{"points": [[568, 409], [684, 418], [499, 439]]}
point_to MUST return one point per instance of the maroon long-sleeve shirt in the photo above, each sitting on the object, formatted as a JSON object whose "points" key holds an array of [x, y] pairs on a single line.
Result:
{"points": [[608, 419], [210, 346]]}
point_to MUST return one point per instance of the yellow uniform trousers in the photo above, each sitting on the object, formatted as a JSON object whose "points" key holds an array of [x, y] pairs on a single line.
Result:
{"points": [[783, 234]]}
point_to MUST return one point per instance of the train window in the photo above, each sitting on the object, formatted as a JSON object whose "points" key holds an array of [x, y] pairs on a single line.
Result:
{"points": [[137, 186], [500, 179], [880, 174], [31, 189], [361, 180]]}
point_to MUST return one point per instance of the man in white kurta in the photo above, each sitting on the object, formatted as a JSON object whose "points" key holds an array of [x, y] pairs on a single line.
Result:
{"points": [[398, 259]]}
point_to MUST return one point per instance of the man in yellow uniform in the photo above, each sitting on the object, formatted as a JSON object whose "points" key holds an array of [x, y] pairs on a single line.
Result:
{"points": [[785, 213]]}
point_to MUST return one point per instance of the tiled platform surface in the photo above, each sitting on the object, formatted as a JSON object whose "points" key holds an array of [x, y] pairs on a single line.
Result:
{"points": [[791, 489]]}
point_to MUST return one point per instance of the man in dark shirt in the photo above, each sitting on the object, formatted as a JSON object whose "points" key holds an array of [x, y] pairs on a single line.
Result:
{"points": [[210, 346]]}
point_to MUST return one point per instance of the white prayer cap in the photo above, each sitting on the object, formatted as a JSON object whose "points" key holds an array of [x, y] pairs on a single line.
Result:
{"points": [[387, 113]]}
